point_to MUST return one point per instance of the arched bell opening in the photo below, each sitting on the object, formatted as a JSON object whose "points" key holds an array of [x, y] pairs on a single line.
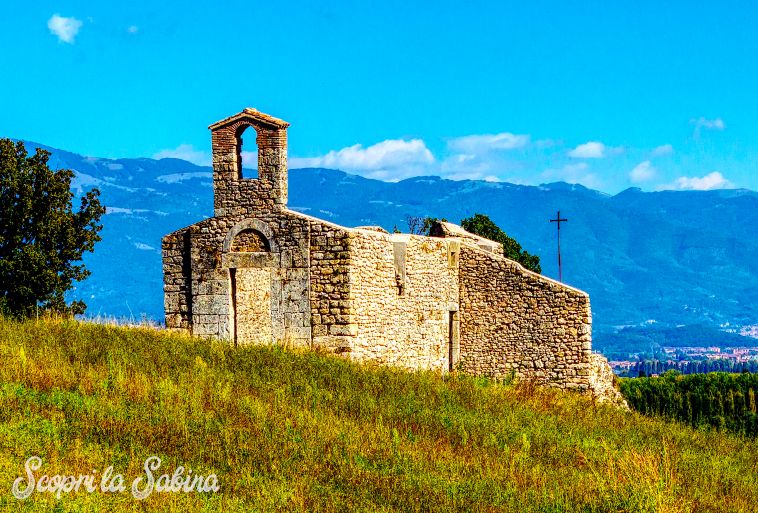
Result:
{"points": [[247, 159]]}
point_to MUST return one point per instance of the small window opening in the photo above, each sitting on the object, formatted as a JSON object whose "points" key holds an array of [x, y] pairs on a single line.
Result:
{"points": [[247, 154], [453, 340], [398, 250]]}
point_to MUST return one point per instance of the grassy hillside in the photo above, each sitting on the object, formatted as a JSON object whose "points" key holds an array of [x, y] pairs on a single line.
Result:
{"points": [[298, 431]]}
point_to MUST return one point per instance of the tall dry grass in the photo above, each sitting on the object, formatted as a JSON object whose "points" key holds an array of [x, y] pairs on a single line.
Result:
{"points": [[300, 431]]}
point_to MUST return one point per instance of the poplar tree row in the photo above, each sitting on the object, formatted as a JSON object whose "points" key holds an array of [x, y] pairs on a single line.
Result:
{"points": [[718, 399]]}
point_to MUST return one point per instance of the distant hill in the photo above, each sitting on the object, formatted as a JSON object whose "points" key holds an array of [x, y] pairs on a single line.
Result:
{"points": [[674, 257]]}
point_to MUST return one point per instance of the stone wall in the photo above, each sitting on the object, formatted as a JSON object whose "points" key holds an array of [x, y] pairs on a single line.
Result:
{"points": [[177, 270], [208, 281], [381, 297], [602, 382], [251, 229], [513, 320], [196, 289], [332, 322], [212, 259], [406, 290]]}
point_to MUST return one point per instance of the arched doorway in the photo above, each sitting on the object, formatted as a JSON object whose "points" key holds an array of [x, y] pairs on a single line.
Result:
{"points": [[249, 256]]}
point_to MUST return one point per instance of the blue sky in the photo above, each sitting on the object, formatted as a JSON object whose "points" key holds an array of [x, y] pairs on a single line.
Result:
{"points": [[607, 94]]}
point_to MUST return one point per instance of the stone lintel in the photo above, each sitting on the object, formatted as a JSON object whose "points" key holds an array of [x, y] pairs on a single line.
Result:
{"points": [[244, 260]]}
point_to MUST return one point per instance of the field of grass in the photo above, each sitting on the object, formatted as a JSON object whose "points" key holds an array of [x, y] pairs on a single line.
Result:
{"points": [[298, 431]]}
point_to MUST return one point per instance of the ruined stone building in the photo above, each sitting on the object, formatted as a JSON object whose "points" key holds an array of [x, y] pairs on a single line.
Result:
{"points": [[259, 273]]}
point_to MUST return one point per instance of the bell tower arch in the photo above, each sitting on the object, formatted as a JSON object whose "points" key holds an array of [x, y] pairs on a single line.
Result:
{"points": [[232, 193]]}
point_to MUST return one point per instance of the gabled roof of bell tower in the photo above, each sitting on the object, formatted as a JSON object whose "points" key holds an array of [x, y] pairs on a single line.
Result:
{"points": [[254, 117]]}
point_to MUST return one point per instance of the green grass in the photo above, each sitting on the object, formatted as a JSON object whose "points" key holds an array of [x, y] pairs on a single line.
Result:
{"points": [[299, 431]]}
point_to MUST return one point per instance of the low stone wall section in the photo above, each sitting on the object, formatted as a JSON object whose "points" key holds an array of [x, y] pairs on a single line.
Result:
{"points": [[514, 321]]}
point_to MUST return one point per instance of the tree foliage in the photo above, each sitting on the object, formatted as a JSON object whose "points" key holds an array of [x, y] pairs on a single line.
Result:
{"points": [[42, 239], [418, 225], [718, 399], [483, 226], [415, 224], [689, 365]]}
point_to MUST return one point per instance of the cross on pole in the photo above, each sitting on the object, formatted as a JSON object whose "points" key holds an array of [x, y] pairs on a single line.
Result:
{"points": [[559, 221]]}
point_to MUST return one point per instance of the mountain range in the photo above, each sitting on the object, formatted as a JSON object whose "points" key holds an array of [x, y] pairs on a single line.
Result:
{"points": [[668, 258]]}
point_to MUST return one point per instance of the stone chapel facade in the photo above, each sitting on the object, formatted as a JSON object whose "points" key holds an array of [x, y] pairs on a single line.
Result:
{"points": [[259, 273]]}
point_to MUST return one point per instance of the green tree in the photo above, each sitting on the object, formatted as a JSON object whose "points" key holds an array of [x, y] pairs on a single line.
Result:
{"points": [[418, 225], [483, 226], [42, 239]]}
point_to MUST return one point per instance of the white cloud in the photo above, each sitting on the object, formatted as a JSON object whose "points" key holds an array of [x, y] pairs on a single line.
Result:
{"points": [[664, 149], [714, 180], [588, 150], [132, 29], [186, 152], [483, 143], [392, 159], [642, 172], [546, 143], [502, 157], [573, 173], [474, 157], [181, 177], [710, 124], [465, 166], [249, 159], [64, 28], [618, 150]]}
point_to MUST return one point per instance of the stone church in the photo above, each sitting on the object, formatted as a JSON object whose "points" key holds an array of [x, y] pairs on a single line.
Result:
{"points": [[259, 273]]}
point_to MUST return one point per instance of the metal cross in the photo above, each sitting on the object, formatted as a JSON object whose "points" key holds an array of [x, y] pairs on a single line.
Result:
{"points": [[559, 221]]}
